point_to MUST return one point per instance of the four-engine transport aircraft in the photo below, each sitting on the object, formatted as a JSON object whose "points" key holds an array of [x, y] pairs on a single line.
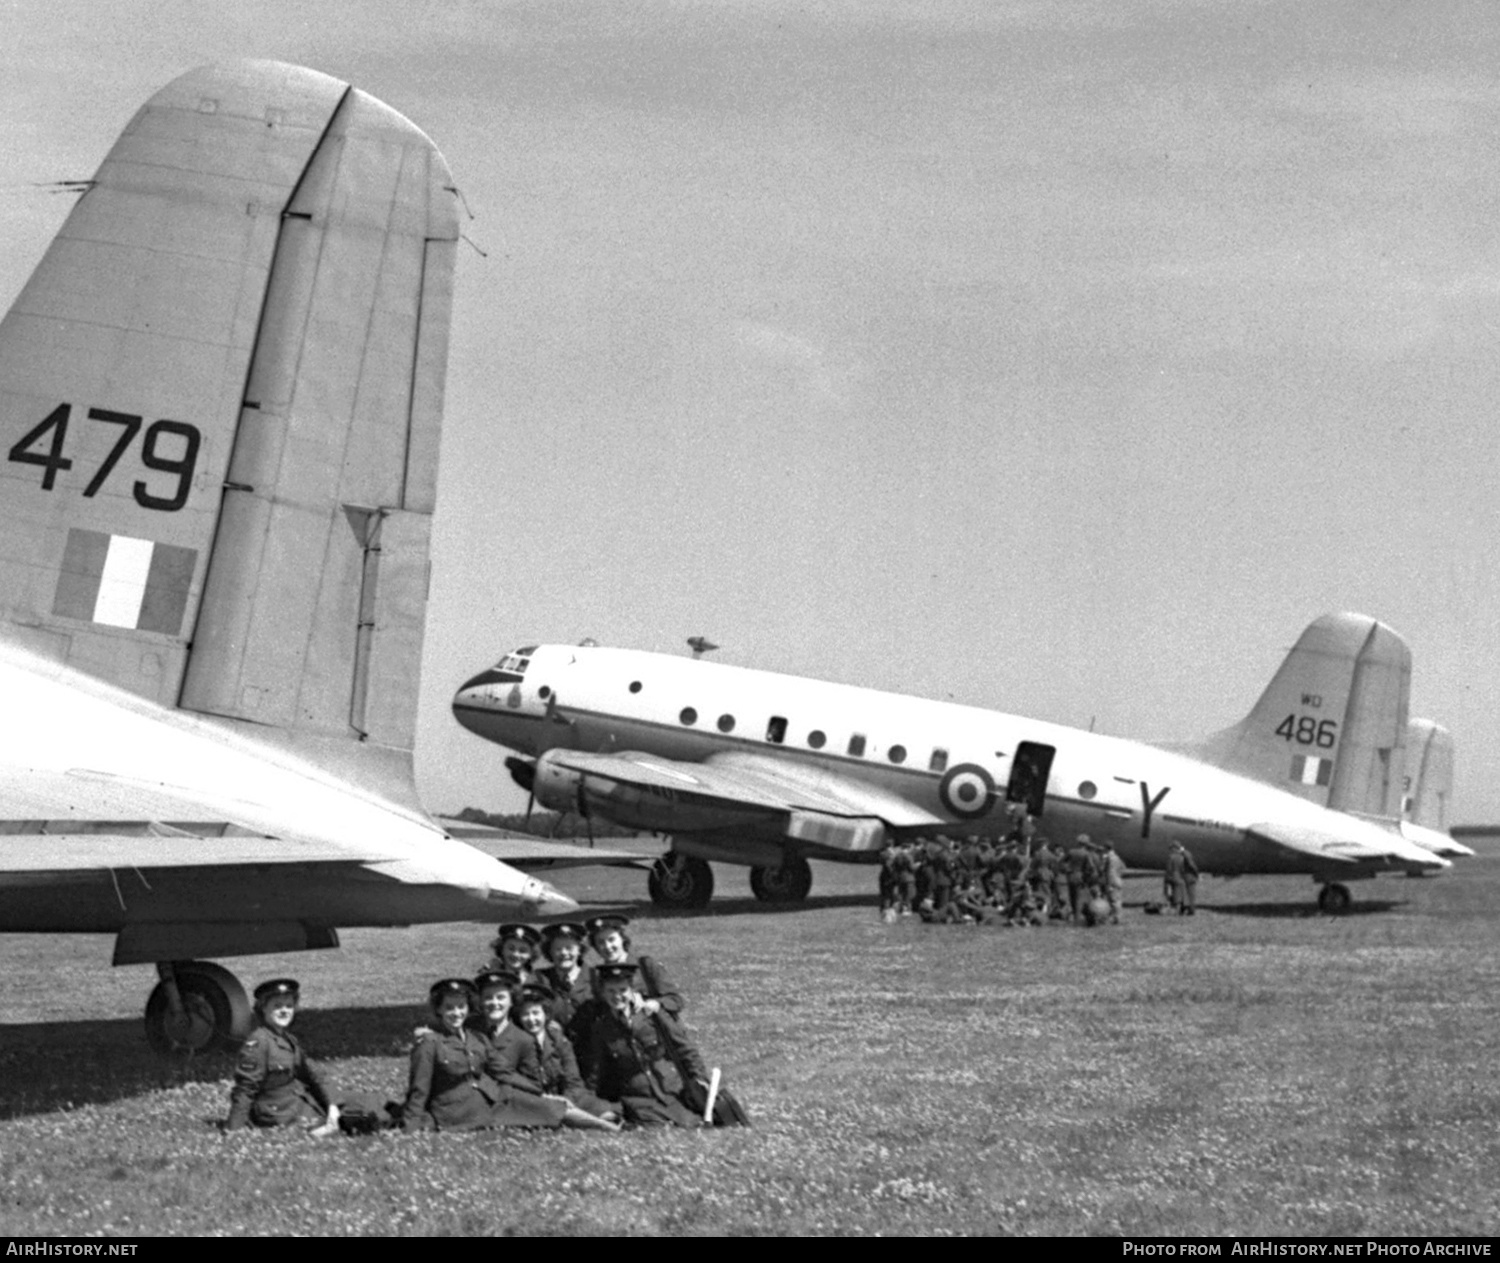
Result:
{"points": [[220, 398], [750, 767]]}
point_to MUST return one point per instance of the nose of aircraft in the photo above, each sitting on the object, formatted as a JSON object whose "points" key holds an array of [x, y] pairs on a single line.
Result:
{"points": [[471, 698], [491, 676]]}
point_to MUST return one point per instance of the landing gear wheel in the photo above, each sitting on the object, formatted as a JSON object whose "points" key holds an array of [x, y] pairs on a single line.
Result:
{"points": [[788, 882], [680, 881], [213, 1013], [1335, 898]]}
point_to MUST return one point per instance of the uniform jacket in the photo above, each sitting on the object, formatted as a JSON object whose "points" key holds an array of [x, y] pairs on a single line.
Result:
{"points": [[568, 997], [1114, 870], [653, 983], [512, 1059], [554, 1066], [1180, 866], [449, 1088], [275, 1085], [633, 1062]]}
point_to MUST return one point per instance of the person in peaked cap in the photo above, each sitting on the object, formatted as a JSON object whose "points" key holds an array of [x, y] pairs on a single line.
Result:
{"points": [[510, 1057], [640, 1057], [448, 1087], [494, 993], [515, 949], [567, 979], [539, 1062], [609, 940], [275, 1085]]}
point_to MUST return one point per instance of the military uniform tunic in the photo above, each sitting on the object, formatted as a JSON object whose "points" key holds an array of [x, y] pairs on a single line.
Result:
{"points": [[512, 1064], [449, 1088], [632, 1063], [652, 981], [275, 1085], [572, 1001], [552, 1068]]}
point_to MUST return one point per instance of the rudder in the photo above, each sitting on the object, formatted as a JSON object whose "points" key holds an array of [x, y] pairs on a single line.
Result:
{"points": [[1428, 780]]}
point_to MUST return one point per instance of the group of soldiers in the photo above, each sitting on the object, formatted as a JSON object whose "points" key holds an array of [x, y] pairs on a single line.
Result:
{"points": [[1022, 879]]}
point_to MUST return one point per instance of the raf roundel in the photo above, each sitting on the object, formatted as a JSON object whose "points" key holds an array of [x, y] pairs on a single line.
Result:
{"points": [[967, 790]]}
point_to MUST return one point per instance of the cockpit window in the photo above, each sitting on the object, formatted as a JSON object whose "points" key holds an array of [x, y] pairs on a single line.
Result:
{"points": [[517, 662]]}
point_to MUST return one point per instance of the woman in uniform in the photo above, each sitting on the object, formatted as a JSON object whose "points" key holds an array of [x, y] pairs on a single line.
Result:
{"points": [[275, 1085], [449, 1088], [641, 1058], [515, 950], [553, 1072], [608, 938], [511, 1058], [573, 1005]]}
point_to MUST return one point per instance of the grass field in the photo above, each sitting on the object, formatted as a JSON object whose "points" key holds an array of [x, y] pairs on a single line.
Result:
{"points": [[1257, 1069]]}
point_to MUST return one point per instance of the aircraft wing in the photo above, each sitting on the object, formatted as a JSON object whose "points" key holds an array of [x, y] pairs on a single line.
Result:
{"points": [[753, 782], [530, 853]]}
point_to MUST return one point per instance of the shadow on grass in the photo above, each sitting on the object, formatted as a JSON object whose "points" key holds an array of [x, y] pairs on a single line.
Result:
{"points": [[1295, 911], [645, 911], [46, 1066]]}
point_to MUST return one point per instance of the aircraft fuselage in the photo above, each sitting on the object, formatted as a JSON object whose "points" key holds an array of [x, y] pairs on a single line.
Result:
{"points": [[958, 763]]}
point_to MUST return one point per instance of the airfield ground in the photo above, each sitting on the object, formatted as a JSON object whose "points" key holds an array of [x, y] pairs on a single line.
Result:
{"points": [[1257, 1069]]}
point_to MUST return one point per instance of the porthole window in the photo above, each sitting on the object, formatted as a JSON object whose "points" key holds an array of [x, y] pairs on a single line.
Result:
{"points": [[544, 692], [635, 686], [897, 754], [816, 739], [689, 715], [726, 723], [1087, 789]]}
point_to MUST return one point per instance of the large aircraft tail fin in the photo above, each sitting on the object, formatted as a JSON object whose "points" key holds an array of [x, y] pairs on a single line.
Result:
{"points": [[220, 396], [1429, 774], [1331, 726]]}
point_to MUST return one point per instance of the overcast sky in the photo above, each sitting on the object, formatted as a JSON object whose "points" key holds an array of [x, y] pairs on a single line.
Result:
{"points": [[1065, 357]]}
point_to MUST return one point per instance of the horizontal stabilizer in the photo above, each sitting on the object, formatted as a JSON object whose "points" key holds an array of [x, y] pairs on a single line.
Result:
{"points": [[530, 853], [1435, 840], [1361, 844], [44, 853]]}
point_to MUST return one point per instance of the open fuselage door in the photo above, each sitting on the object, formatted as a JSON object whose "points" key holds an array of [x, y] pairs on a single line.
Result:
{"points": [[1029, 771]]}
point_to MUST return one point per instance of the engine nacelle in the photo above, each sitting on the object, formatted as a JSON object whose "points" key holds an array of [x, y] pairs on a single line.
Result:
{"points": [[598, 796], [557, 788]]}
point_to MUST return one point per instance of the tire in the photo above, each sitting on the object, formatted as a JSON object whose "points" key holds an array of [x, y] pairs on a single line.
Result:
{"points": [[215, 1012], [1335, 898], [680, 881], [788, 882]]}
